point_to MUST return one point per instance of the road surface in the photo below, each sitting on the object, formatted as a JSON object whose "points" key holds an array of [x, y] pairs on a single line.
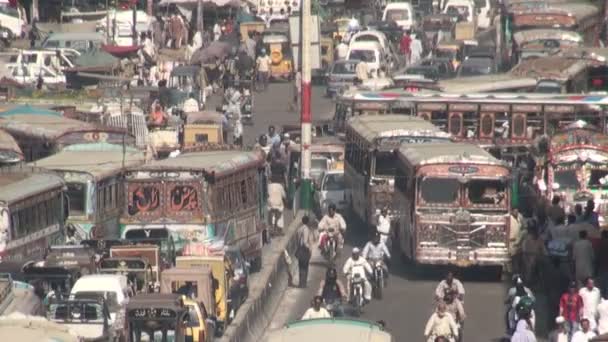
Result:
{"points": [[408, 299]]}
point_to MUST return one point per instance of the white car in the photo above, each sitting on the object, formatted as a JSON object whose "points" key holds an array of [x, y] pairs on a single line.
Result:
{"points": [[29, 73], [400, 12], [112, 287], [331, 190]]}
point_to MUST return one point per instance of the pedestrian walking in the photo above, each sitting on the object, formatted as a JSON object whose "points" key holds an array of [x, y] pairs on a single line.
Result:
{"points": [[591, 300], [263, 66], [533, 250], [307, 239], [316, 310], [555, 211], [601, 262], [415, 50], [405, 46], [583, 257], [602, 315], [571, 308]]}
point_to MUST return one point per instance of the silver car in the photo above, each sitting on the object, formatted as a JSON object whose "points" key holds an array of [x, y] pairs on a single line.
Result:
{"points": [[341, 74]]}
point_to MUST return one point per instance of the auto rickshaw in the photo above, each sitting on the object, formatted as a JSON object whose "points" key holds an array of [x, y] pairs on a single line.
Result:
{"points": [[159, 315], [251, 26], [454, 50], [196, 288], [137, 270], [229, 270], [203, 128], [279, 48]]}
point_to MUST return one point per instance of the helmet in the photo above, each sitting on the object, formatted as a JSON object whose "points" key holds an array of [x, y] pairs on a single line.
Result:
{"points": [[524, 306], [331, 206], [356, 250]]}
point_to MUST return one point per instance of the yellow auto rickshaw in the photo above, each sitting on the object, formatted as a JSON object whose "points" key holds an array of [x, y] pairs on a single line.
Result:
{"points": [[454, 50], [279, 48], [203, 128], [228, 271], [196, 286]]}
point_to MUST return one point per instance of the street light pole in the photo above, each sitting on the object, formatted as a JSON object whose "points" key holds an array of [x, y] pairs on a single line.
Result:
{"points": [[306, 186]]}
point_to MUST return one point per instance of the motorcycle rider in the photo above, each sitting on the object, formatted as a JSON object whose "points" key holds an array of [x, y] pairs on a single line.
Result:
{"points": [[518, 289], [332, 224], [376, 250], [441, 323], [455, 308], [450, 283], [384, 225], [332, 291], [358, 265]]}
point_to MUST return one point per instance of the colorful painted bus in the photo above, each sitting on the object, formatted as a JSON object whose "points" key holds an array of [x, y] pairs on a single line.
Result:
{"points": [[454, 205], [93, 174], [199, 196], [41, 133], [369, 167], [32, 213]]}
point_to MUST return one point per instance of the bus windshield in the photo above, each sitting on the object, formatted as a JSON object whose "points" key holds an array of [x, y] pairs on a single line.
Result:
{"points": [[566, 179], [487, 191], [385, 164], [598, 179], [439, 190]]}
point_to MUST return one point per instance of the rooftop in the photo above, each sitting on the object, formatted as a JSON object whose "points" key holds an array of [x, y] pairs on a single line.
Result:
{"points": [[16, 186], [371, 127], [209, 161], [420, 154], [99, 164]]}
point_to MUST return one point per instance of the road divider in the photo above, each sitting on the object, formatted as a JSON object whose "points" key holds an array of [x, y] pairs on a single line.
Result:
{"points": [[265, 292]]}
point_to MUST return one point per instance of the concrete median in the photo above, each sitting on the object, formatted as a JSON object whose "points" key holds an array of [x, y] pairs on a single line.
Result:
{"points": [[265, 290]]}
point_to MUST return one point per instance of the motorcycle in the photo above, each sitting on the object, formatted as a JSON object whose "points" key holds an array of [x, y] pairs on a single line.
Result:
{"points": [[356, 296], [433, 337], [378, 275], [330, 250], [334, 307]]}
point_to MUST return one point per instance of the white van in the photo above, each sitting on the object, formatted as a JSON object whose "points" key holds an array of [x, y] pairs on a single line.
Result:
{"points": [[112, 287], [400, 12], [11, 18], [466, 8], [371, 53]]}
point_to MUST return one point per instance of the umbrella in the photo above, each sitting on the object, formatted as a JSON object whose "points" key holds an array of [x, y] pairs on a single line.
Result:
{"points": [[215, 50]]}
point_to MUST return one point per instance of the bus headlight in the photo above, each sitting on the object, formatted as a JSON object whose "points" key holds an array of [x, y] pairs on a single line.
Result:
{"points": [[427, 233]]}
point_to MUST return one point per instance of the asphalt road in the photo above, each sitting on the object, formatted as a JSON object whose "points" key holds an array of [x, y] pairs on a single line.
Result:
{"points": [[408, 300]]}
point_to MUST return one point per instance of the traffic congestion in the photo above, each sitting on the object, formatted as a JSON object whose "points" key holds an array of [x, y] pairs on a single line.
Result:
{"points": [[165, 166]]}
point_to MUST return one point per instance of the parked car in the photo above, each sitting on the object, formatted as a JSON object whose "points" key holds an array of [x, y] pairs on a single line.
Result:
{"points": [[444, 66], [429, 72], [476, 66], [341, 74]]}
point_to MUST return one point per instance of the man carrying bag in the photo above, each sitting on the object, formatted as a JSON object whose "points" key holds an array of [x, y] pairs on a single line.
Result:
{"points": [[307, 239]]}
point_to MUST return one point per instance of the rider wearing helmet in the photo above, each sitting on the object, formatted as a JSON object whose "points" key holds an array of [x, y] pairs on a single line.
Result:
{"points": [[331, 224], [358, 265]]}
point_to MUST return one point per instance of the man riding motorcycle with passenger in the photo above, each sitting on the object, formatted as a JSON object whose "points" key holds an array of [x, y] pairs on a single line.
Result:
{"points": [[519, 303], [376, 251], [452, 284], [332, 224], [358, 265], [333, 292], [454, 307]]}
